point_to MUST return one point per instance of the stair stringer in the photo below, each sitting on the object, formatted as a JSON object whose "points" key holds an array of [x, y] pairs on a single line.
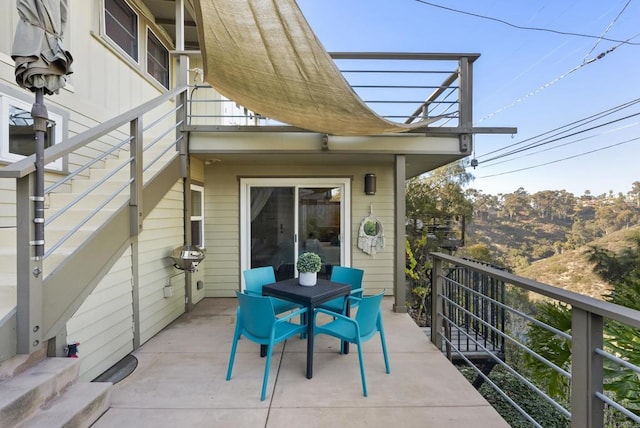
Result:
{"points": [[83, 270]]}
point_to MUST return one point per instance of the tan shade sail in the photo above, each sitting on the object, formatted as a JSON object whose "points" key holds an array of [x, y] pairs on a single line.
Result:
{"points": [[263, 55]]}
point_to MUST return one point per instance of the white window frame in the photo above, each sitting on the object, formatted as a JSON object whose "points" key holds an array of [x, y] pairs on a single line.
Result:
{"points": [[198, 218], [113, 43], [7, 101], [151, 33], [245, 218]]}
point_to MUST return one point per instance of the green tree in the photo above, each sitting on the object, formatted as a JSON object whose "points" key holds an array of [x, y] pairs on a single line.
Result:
{"points": [[517, 204], [623, 272]]}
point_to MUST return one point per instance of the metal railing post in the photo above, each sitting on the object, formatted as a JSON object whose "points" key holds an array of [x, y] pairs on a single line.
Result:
{"points": [[436, 302], [137, 183], [587, 411], [29, 272]]}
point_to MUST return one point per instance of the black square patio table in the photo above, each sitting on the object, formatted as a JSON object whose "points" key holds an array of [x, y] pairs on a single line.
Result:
{"points": [[323, 291]]}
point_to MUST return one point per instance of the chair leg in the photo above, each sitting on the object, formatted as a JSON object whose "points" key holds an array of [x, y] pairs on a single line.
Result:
{"points": [[384, 351], [364, 381], [267, 367], [232, 356]]}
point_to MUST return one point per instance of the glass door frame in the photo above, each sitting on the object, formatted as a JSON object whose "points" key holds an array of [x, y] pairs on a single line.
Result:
{"points": [[344, 183]]}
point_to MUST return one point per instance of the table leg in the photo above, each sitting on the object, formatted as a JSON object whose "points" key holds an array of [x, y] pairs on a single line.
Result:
{"points": [[345, 344], [263, 351], [310, 322]]}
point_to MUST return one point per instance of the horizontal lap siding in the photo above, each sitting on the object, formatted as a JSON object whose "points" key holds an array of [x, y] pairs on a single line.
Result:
{"points": [[222, 229], [379, 267], [103, 325], [222, 232], [162, 233]]}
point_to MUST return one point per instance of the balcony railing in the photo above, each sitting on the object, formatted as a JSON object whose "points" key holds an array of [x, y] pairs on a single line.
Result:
{"points": [[401, 87], [587, 401]]}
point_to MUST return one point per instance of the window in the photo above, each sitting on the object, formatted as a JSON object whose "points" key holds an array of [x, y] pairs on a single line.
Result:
{"points": [[157, 60], [197, 215], [17, 137], [121, 25]]}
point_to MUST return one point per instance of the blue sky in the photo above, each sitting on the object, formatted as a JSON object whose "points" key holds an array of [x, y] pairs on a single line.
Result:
{"points": [[513, 66]]}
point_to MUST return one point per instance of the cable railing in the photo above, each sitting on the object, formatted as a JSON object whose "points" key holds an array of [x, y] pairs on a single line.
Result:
{"points": [[101, 163], [402, 88], [574, 365]]}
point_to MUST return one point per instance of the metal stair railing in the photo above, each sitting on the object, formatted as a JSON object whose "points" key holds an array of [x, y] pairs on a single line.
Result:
{"points": [[87, 152]]}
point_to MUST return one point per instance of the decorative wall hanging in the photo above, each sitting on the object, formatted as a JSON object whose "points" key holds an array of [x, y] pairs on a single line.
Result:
{"points": [[371, 234]]}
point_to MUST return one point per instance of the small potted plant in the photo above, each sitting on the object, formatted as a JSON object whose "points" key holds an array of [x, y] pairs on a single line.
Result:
{"points": [[308, 265]]}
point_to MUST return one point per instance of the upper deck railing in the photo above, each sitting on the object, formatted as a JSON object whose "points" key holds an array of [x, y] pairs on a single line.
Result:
{"points": [[401, 87]]}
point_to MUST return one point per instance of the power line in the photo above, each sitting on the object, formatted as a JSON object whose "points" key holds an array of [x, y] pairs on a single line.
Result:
{"points": [[565, 136], [570, 126], [546, 85], [607, 29], [565, 144], [560, 160], [521, 27]]}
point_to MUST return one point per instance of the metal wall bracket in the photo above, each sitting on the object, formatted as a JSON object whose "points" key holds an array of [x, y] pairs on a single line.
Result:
{"points": [[465, 143]]}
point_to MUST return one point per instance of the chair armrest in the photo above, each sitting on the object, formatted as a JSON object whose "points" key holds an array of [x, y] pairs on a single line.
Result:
{"points": [[293, 314], [335, 315], [357, 290]]}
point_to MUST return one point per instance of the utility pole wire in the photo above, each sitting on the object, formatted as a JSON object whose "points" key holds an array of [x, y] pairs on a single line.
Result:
{"points": [[560, 160], [521, 27], [571, 126], [565, 136], [546, 85], [607, 30], [565, 144]]}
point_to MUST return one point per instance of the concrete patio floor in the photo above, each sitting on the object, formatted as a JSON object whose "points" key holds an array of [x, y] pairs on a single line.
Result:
{"points": [[180, 381]]}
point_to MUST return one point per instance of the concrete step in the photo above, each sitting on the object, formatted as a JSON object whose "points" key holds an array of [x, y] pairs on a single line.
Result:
{"points": [[22, 395], [42, 392], [79, 406]]}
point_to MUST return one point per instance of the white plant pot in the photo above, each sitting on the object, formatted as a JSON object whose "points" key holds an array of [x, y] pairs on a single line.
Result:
{"points": [[308, 279]]}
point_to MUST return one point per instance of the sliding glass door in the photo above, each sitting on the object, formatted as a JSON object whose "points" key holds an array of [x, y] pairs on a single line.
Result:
{"points": [[282, 218]]}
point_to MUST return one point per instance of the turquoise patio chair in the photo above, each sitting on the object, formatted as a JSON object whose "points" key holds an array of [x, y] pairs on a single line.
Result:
{"points": [[255, 278], [257, 321], [345, 275], [367, 323]]}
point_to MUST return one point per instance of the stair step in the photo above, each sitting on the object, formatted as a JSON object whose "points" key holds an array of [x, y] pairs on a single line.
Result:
{"points": [[106, 188], [58, 200], [7, 299], [22, 395], [79, 406]]}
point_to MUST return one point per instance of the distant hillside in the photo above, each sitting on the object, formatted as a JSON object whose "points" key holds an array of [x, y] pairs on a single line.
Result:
{"points": [[571, 271], [531, 238]]}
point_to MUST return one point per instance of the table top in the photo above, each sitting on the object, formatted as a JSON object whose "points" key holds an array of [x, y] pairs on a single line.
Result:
{"points": [[291, 290]]}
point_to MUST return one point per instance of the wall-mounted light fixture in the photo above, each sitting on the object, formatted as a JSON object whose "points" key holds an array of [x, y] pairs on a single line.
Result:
{"points": [[369, 184]]}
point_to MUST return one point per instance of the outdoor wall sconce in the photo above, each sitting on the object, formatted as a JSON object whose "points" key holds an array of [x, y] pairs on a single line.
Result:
{"points": [[369, 184]]}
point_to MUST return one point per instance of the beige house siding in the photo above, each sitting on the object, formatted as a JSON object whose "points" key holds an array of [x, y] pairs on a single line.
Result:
{"points": [[222, 217], [103, 325], [87, 100], [162, 232]]}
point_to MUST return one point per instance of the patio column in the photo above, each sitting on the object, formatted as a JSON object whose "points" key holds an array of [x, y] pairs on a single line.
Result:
{"points": [[400, 280]]}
